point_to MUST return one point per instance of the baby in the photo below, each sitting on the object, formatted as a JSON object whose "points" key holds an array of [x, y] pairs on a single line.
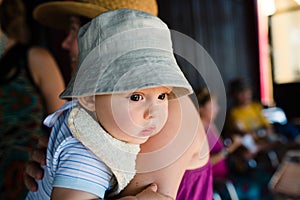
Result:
{"points": [[127, 73]]}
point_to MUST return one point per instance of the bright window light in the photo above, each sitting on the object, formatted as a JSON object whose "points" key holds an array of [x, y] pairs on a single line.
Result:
{"points": [[268, 7]]}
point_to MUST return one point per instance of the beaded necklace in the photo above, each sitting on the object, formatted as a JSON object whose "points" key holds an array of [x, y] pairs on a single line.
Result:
{"points": [[2, 43]]}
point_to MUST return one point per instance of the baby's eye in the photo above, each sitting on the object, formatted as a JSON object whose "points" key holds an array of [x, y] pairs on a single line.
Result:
{"points": [[162, 96], [136, 97]]}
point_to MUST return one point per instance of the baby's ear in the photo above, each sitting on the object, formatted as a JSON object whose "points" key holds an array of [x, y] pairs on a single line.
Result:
{"points": [[87, 102]]}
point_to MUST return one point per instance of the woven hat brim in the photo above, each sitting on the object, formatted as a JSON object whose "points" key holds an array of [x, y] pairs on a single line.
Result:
{"points": [[57, 14]]}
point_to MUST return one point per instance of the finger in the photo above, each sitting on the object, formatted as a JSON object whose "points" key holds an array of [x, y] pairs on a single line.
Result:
{"points": [[34, 170], [39, 156], [152, 187], [30, 183]]}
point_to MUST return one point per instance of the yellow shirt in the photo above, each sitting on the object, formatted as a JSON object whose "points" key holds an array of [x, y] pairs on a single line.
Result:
{"points": [[248, 118]]}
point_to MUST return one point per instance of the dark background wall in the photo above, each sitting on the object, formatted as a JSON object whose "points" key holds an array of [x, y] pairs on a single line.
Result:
{"points": [[287, 96], [227, 29]]}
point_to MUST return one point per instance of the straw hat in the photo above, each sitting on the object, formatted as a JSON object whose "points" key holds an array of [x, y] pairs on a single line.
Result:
{"points": [[56, 14], [122, 51]]}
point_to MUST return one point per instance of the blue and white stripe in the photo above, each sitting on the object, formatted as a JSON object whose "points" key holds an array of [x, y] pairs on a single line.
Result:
{"points": [[70, 164]]}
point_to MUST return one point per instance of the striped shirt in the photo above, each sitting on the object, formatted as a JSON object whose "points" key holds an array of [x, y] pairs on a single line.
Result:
{"points": [[69, 163]]}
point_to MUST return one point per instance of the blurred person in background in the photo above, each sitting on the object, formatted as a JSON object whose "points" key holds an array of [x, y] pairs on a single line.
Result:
{"points": [[253, 164], [245, 116], [208, 110], [30, 84]]}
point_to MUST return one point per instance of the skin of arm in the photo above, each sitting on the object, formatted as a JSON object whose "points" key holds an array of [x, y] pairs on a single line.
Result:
{"points": [[70, 194], [47, 77], [150, 193]]}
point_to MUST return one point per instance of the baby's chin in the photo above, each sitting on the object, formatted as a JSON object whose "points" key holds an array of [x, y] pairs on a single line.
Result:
{"points": [[138, 140]]}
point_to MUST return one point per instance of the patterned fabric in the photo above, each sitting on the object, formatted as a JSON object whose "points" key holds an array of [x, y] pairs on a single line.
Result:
{"points": [[196, 184], [69, 163], [21, 115]]}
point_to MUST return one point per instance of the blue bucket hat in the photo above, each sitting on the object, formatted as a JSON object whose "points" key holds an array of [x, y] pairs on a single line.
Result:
{"points": [[125, 50]]}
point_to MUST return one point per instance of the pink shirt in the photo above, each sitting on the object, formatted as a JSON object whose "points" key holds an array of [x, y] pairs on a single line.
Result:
{"points": [[196, 184], [215, 142]]}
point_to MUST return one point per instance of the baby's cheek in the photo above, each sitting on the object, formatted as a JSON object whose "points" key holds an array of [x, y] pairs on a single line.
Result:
{"points": [[164, 114]]}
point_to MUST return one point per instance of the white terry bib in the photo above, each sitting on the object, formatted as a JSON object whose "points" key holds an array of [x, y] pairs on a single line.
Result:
{"points": [[119, 156]]}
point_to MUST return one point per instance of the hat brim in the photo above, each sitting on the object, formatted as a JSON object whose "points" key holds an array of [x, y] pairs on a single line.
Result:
{"points": [[57, 14]]}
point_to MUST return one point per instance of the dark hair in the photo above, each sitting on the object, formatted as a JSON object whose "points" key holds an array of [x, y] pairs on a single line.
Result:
{"points": [[84, 20], [238, 85], [13, 20], [203, 96]]}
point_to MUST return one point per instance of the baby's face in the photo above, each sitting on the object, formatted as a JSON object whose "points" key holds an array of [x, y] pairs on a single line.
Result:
{"points": [[133, 117]]}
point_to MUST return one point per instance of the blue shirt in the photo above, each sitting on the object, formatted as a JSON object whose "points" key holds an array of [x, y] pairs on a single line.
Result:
{"points": [[69, 163]]}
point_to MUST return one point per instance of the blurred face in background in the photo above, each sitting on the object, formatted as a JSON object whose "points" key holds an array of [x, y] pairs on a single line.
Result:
{"points": [[244, 97], [209, 110], [70, 42]]}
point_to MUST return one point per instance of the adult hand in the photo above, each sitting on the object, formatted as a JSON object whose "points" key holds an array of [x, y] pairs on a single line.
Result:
{"points": [[33, 170], [150, 193]]}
